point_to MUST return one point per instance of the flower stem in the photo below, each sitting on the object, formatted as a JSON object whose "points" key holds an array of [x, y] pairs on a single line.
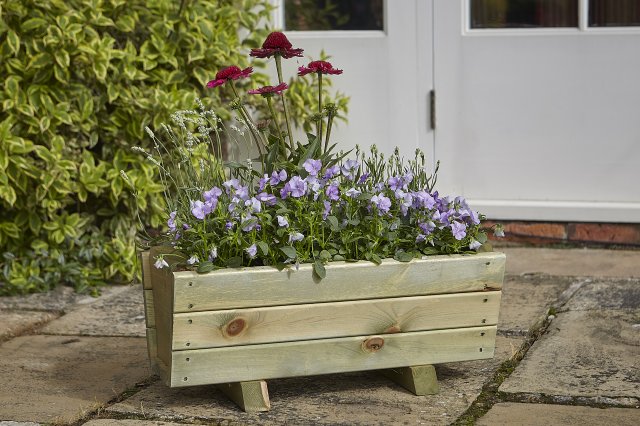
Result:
{"points": [[329, 124], [275, 120], [319, 106], [284, 103]]}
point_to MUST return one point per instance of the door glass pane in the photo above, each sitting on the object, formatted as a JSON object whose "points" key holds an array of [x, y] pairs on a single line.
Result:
{"points": [[523, 13], [326, 15], [614, 13]]}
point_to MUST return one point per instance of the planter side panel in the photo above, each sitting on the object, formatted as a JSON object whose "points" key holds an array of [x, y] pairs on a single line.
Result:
{"points": [[312, 357], [336, 319], [163, 288], [265, 286]]}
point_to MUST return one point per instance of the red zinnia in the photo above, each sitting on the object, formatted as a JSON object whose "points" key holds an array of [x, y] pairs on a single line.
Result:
{"points": [[276, 44], [322, 67], [269, 90], [229, 73]]}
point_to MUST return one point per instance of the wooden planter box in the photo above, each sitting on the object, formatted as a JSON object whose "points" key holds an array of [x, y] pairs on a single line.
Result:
{"points": [[246, 325]]}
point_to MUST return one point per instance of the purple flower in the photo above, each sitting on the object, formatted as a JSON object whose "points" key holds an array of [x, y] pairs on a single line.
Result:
{"points": [[297, 187], [211, 194], [263, 182], [268, 199], [406, 200], [229, 225], [198, 209], [277, 177], [254, 205], [421, 238], [295, 236], [394, 183], [171, 223], [282, 221], [382, 203], [379, 186], [422, 199], [185, 226], [353, 192], [242, 192], [249, 224], [312, 166], [252, 251], [231, 183], [459, 230], [427, 227], [363, 178], [331, 172], [327, 209], [332, 192], [349, 169]]}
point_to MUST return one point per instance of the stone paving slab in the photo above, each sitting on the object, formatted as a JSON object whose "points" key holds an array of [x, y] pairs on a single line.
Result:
{"points": [[514, 414], [573, 262], [126, 422], [607, 294], [62, 298], [120, 313], [590, 353], [14, 323], [338, 399], [526, 301], [11, 423], [59, 378]]}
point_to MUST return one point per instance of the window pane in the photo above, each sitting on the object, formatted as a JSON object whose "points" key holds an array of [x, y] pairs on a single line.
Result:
{"points": [[325, 15], [614, 13], [523, 13]]}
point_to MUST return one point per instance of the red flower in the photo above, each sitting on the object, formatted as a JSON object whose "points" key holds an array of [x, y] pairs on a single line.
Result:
{"points": [[276, 44], [229, 73], [321, 67], [269, 90]]}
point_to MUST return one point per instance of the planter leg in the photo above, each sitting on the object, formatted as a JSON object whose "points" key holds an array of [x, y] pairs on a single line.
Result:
{"points": [[250, 396], [419, 379]]}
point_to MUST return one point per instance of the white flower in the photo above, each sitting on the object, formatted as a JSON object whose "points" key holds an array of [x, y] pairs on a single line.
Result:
{"points": [[160, 263], [193, 260]]}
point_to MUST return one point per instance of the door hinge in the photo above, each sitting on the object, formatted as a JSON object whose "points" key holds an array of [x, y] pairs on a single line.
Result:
{"points": [[432, 109]]}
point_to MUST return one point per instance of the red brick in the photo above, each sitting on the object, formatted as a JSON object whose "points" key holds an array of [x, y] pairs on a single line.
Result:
{"points": [[531, 232], [611, 233]]}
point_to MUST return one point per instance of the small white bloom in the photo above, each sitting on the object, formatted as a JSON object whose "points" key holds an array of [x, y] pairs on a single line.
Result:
{"points": [[213, 254], [193, 260], [160, 263]]}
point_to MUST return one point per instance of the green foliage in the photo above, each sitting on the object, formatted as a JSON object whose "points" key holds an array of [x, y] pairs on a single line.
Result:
{"points": [[81, 79]]}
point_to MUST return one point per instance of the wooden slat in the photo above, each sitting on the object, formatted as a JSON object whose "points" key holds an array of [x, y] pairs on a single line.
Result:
{"points": [[162, 281], [265, 286], [146, 270], [418, 379], [336, 319], [152, 349], [306, 358], [149, 313], [251, 396]]}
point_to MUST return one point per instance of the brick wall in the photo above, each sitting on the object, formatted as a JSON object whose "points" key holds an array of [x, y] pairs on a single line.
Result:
{"points": [[570, 232]]}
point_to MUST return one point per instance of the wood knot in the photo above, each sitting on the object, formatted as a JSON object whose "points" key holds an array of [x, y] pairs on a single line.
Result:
{"points": [[234, 327], [373, 344], [395, 328]]}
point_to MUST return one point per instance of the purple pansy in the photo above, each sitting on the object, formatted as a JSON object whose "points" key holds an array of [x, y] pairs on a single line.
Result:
{"points": [[332, 192], [282, 221], [349, 169], [295, 236], [254, 205], [353, 192], [252, 250], [331, 172], [297, 187], [312, 166], [327, 209], [421, 238], [363, 178], [474, 245], [382, 203], [459, 230], [268, 199], [199, 209], [171, 223], [277, 177]]}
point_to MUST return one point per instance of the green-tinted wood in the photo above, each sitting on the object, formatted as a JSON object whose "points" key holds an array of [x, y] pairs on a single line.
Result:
{"points": [[146, 269], [162, 282], [251, 396], [419, 379], [306, 358], [266, 286], [335, 319], [149, 312]]}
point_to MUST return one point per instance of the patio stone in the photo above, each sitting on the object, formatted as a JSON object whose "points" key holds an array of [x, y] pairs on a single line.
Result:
{"points": [[508, 414], [14, 323], [127, 422], [607, 294], [60, 299]]}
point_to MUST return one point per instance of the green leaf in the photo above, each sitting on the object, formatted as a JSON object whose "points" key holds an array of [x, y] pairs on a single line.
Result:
{"points": [[13, 40], [324, 255], [33, 23], [403, 256], [289, 251], [430, 251], [234, 262], [264, 247], [375, 259], [337, 257], [319, 270], [204, 267], [333, 223]]}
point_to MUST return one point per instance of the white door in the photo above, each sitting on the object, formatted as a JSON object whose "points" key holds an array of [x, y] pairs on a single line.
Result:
{"points": [[388, 71], [540, 123]]}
